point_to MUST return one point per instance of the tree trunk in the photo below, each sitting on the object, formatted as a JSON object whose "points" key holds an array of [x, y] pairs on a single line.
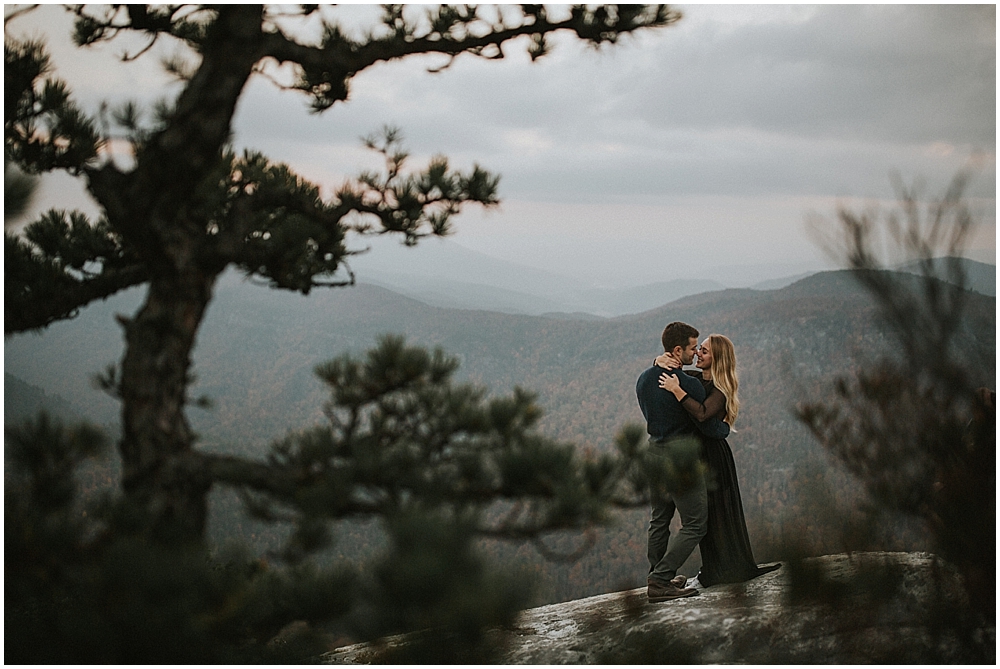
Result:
{"points": [[160, 207], [156, 436]]}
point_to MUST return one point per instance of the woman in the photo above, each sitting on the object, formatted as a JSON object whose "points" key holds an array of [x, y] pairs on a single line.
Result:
{"points": [[726, 555]]}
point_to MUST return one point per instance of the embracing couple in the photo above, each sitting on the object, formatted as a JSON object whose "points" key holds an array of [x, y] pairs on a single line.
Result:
{"points": [[678, 404]]}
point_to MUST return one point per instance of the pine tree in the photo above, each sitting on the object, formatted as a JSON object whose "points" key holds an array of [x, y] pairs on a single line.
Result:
{"points": [[188, 208], [912, 425], [18, 192], [129, 581]]}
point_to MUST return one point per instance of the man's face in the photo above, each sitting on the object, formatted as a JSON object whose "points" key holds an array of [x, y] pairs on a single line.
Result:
{"points": [[687, 353]]}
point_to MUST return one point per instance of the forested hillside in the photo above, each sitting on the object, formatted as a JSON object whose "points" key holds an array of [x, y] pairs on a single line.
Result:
{"points": [[22, 400], [257, 350]]}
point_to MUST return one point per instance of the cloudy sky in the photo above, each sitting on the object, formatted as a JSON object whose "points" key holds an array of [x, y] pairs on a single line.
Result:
{"points": [[695, 150]]}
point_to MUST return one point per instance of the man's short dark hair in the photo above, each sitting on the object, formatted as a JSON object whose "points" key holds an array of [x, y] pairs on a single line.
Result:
{"points": [[677, 334]]}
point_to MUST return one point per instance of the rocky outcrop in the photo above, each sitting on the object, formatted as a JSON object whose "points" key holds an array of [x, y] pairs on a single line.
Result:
{"points": [[863, 608]]}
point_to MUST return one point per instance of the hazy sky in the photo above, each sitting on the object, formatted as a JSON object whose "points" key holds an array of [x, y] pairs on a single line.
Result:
{"points": [[699, 145]]}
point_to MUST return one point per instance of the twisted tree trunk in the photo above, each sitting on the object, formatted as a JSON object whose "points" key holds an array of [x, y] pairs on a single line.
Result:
{"points": [[156, 436], [159, 207]]}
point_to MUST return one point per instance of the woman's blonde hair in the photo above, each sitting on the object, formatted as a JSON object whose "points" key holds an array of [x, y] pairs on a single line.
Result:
{"points": [[724, 374]]}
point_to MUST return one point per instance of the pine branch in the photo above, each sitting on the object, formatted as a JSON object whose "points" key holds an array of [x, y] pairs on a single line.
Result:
{"points": [[241, 473], [177, 159], [43, 128], [403, 437], [60, 265], [184, 22], [327, 69]]}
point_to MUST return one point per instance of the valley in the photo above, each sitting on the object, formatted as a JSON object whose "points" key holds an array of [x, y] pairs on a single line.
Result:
{"points": [[258, 348]]}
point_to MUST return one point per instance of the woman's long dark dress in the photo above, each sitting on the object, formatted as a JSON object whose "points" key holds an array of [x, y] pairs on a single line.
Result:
{"points": [[726, 555]]}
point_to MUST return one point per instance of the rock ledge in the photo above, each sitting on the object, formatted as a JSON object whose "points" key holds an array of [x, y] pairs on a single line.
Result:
{"points": [[857, 616]]}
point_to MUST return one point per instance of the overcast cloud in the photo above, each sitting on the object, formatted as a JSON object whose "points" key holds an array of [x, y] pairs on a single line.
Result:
{"points": [[714, 137]]}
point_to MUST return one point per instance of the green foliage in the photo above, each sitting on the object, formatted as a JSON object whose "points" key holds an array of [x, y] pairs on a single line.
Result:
{"points": [[289, 235], [675, 465], [408, 204], [906, 425], [18, 191], [436, 583], [58, 257], [436, 462], [83, 584], [402, 436], [95, 25], [256, 351], [51, 453], [876, 581], [245, 211], [470, 29], [402, 440], [922, 615], [43, 128]]}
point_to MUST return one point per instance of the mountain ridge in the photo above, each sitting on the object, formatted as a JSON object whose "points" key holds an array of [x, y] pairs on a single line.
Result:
{"points": [[439, 275], [23, 400], [257, 350], [979, 276], [304, 331]]}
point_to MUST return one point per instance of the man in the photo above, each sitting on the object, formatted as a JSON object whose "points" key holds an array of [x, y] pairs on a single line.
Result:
{"points": [[667, 420]]}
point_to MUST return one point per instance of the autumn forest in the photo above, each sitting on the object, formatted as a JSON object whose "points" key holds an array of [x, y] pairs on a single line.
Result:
{"points": [[258, 350]]}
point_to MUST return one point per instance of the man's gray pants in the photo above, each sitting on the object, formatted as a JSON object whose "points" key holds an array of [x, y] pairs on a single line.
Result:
{"points": [[665, 556]]}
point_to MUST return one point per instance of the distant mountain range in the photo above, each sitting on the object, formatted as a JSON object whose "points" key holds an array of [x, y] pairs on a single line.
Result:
{"points": [[22, 400], [980, 277], [586, 303], [258, 348], [445, 274]]}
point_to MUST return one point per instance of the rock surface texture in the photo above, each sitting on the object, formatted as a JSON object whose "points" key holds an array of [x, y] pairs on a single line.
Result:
{"points": [[864, 608]]}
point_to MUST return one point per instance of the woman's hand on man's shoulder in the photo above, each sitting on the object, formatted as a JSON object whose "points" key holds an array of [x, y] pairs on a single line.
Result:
{"points": [[666, 362]]}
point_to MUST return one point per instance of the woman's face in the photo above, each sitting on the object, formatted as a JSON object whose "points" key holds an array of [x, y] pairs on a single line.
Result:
{"points": [[704, 353]]}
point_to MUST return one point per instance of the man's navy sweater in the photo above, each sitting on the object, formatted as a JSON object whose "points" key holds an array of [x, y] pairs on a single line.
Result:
{"points": [[665, 417]]}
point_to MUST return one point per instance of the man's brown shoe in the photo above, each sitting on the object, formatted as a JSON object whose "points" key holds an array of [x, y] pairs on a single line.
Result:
{"points": [[680, 580], [657, 592]]}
